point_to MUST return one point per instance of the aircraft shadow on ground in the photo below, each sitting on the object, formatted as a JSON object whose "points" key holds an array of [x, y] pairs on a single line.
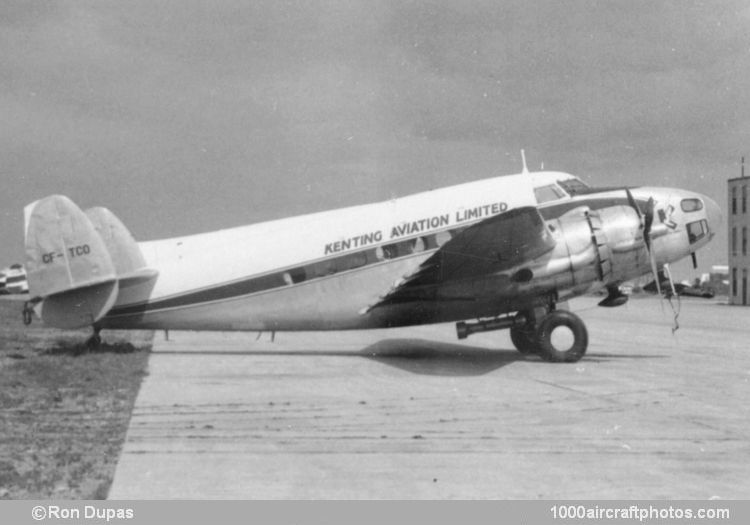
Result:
{"points": [[425, 357], [420, 356]]}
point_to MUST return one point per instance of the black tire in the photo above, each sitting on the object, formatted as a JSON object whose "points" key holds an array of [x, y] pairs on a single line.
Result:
{"points": [[94, 342], [524, 340], [580, 337]]}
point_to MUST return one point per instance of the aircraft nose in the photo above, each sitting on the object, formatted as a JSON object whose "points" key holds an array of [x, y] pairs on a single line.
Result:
{"points": [[713, 215]]}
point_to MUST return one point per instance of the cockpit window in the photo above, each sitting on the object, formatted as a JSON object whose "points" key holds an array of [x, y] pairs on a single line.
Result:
{"points": [[548, 193], [689, 205], [574, 186], [697, 230]]}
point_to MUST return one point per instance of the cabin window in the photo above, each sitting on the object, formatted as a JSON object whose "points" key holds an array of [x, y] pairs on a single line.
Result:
{"points": [[734, 200], [744, 241], [574, 186], [404, 247], [321, 269], [374, 255], [744, 199], [295, 275], [734, 241], [548, 193], [697, 230], [386, 252], [435, 240], [418, 245], [431, 242], [734, 282], [690, 205], [353, 260]]}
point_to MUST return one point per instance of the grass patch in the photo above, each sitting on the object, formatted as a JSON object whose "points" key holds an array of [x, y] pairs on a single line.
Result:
{"points": [[64, 408]]}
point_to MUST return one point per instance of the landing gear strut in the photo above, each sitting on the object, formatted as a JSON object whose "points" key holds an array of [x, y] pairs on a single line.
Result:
{"points": [[95, 341], [523, 333], [559, 336]]}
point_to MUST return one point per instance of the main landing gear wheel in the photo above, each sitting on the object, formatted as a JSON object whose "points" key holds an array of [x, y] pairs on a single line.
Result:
{"points": [[562, 337]]}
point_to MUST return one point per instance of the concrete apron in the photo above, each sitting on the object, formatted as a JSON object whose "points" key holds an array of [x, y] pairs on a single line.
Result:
{"points": [[415, 414]]}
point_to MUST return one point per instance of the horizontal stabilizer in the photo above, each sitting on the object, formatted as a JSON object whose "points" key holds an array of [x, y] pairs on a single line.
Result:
{"points": [[79, 307], [67, 264]]}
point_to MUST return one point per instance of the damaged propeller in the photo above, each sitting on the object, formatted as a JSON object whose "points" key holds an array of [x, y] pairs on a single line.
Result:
{"points": [[614, 296], [646, 217], [647, 221]]}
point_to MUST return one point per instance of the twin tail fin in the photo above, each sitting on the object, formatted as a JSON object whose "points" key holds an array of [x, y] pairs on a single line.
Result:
{"points": [[77, 262]]}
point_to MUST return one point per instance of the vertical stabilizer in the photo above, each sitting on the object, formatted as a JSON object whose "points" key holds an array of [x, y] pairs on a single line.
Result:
{"points": [[67, 263], [123, 250]]}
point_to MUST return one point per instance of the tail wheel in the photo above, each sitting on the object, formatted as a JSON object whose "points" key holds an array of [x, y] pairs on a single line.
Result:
{"points": [[562, 337], [95, 341], [524, 340]]}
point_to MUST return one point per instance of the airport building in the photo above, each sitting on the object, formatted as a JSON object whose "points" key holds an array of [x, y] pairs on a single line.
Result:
{"points": [[739, 224]]}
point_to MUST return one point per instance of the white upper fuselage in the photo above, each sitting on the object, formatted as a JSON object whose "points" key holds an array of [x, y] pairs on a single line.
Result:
{"points": [[213, 258]]}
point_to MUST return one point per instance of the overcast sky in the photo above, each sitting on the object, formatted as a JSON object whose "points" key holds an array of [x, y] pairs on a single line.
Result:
{"points": [[185, 116]]}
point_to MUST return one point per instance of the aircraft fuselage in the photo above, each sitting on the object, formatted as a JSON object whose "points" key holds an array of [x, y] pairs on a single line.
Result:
{"points": [[329, 270]]}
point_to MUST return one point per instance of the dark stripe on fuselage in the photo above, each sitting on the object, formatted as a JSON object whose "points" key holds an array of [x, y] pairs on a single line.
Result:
{"points": [[296, 275], [351, 261]]}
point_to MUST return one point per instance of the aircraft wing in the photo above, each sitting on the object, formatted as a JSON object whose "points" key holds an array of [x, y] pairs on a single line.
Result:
{"points": [[488, 247]]}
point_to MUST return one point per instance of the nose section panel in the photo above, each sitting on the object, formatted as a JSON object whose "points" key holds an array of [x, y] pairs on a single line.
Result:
{"points": [[713, 215]]}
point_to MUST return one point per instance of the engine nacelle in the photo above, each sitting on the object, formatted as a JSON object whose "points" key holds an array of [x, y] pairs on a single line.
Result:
{"points": [[593, 249], [622, 229]]}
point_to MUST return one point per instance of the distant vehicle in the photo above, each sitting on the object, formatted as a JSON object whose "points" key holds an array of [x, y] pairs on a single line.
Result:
{"points": [[680, 288], [493, 254], [15, 280], [693, 291], [3, 290]]}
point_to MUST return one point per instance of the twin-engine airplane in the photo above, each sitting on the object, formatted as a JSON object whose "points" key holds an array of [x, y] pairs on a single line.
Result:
{"points": [[494, 254]]}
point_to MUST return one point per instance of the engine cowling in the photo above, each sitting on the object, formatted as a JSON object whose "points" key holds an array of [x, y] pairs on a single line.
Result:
{"points": [[593, 249]]}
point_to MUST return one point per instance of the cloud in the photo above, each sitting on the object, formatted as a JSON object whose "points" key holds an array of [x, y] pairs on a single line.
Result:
{"points": [[240, 111]]}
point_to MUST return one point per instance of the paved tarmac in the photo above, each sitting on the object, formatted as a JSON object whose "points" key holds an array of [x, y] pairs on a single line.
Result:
{"points": [[415, 414]]}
